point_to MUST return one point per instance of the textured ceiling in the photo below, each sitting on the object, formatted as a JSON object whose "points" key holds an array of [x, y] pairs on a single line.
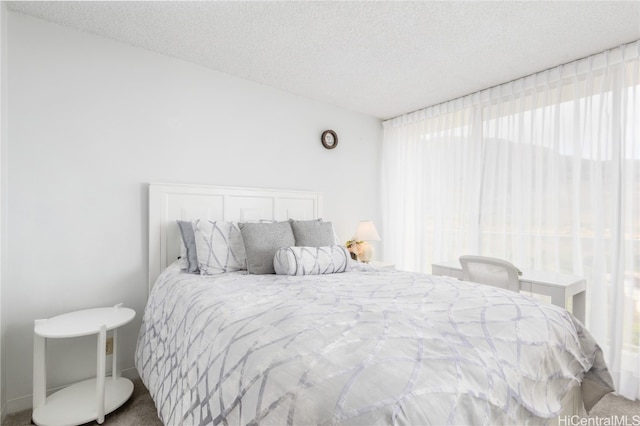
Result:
{"points": [[379, 58]]}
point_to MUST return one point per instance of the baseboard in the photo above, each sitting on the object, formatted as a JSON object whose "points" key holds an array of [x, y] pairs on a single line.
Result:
{"points": [[26, 402], [3, 413], [19, 404], [130, 373]]}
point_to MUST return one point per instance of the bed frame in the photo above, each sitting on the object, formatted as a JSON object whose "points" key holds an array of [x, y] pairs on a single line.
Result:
{"points": [[171, 202]]}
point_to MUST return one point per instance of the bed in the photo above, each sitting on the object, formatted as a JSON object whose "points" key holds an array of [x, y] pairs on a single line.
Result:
{"points": [[363, 346]]}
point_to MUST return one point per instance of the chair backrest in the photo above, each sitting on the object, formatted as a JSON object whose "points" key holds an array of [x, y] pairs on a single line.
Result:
{"points": [[490, 271]]}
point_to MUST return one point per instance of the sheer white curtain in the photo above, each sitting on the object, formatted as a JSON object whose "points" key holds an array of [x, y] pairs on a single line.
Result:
{"points": [[544, 172]]}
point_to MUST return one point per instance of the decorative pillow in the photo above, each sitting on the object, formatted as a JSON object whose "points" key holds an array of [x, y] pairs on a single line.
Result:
{"points": [[189, 245], [312, 233], [261, 241], [219, 247], [311, 260]]}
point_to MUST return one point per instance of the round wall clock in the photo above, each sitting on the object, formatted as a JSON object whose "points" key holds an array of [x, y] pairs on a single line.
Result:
{"points": [[329, 139]]}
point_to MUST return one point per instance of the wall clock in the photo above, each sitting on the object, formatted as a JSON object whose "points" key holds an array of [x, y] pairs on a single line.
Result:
{"points": [[329, 139]]}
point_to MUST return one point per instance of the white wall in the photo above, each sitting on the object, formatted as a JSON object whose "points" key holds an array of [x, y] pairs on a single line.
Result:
{"points": [[91, 122], [3, 193]]}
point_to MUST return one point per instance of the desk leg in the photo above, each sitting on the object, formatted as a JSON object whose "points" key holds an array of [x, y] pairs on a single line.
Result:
{"points": [[100, 373], [580, 306], [558, 297], [39, 369]]}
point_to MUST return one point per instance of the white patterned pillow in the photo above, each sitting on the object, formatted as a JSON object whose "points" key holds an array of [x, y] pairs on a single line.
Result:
{"points": [[219, 247], [188, 249], [311, 260]]}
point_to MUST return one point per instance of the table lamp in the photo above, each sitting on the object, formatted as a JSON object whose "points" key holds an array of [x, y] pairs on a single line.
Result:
{"points": [[366, 231]]}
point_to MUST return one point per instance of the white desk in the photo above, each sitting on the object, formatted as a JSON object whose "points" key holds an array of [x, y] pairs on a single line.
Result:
{"points": [[558, 286]]}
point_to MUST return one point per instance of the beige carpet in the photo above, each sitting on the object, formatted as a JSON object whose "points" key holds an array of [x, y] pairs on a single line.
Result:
{"points": [[140, 411]]}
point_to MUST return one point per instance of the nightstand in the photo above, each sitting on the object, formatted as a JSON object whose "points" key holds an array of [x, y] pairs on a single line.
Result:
{"points": [[382, 265], [91, 399]]}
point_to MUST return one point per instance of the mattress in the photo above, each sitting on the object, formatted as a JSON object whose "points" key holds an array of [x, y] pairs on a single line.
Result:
{"points": [[368, 346]]}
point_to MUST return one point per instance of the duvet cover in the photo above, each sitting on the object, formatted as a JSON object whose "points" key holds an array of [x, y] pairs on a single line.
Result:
{"points": [[368, 346]]}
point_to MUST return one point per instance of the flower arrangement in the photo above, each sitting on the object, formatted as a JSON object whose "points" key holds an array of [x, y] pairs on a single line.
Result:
{"points": [[354, 248]]}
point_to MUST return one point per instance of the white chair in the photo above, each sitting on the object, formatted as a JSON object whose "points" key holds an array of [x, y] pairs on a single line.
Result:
{"points": [[490, 271]]}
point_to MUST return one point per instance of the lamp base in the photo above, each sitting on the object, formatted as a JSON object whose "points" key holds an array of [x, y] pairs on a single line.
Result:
{"points": [[366, 252]]}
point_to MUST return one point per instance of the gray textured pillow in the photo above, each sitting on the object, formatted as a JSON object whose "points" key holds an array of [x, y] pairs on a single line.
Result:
{"points": [[313, 233], [261, 241], [189, 240]]}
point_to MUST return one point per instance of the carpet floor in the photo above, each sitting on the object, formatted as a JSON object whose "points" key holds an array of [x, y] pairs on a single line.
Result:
{"points": [[140, 410]]}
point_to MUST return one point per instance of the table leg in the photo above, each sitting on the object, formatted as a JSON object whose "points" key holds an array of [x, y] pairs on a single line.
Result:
{"points": [[115, 372], [579, 306], [100, 373], [39, 369]]}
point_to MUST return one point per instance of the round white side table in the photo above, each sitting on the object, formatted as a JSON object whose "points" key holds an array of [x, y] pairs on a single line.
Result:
{"points": [[91, 399]]}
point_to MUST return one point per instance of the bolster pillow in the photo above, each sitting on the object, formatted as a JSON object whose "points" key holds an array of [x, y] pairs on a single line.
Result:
{"points": [[311, 260]]}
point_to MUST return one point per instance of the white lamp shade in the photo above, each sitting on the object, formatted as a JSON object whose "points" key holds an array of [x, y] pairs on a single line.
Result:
{"points": [[366, 231]]}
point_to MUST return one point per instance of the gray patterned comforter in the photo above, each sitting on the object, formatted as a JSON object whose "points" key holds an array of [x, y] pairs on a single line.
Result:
{"points": [[362, 347]]}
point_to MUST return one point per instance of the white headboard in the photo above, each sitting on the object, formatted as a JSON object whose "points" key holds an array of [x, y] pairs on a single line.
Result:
{"points": [[171, 202]]}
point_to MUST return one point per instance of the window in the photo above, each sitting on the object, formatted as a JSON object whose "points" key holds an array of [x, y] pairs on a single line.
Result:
{"points": [[544, 172]]}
